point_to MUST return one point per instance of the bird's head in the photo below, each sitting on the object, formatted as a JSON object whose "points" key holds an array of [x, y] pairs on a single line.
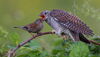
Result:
{"points": [[45, 14]]}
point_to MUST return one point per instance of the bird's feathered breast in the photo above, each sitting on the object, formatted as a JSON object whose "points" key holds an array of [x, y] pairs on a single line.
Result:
{"points": [[71, 22]]}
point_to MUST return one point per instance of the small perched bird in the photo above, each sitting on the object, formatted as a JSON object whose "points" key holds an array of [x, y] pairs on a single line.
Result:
{"points": [[34, 27], [67, 24]]}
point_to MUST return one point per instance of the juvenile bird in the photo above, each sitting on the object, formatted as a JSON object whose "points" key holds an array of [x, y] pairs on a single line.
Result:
{"points": [[34, 27], [65, 23]]}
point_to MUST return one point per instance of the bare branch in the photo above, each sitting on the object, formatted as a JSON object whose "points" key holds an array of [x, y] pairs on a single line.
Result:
{"points": [[11, 52]]}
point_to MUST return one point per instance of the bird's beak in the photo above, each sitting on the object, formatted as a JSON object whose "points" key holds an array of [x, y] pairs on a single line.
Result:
{"points": [[42, 17]]}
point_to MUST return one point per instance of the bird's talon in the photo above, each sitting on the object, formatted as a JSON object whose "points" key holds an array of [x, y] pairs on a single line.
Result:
{"points": [[53, 31]]}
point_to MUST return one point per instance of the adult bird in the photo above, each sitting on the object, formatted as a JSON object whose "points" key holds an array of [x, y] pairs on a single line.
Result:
{"points": [[67, 24], [34, 27]]}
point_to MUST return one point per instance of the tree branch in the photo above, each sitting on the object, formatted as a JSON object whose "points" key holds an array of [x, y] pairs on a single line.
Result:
{"points": [[11, 52]]}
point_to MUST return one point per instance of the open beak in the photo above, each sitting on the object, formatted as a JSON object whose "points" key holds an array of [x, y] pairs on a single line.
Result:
{"points": [[42, 17]]}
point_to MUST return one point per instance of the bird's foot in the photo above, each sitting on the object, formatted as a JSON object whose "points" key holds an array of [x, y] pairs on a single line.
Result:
{"points": [[65, 37], [53, 31]]}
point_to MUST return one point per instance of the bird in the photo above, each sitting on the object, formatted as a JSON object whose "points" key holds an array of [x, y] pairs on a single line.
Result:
{"points": [[67, 24], [34, 27]]}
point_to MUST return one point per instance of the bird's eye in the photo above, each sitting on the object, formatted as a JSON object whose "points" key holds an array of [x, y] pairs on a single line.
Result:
{"points": [[45, 13]]}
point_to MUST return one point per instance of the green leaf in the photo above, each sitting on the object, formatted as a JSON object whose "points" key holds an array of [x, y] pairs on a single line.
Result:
{"points": [[79, 49]]}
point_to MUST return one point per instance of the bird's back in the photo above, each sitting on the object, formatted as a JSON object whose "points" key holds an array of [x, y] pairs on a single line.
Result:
{"points": [[71, 22]]}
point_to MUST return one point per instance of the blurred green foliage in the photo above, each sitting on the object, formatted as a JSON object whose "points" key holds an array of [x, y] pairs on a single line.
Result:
{"points": [[22, 12], [79, 50]]}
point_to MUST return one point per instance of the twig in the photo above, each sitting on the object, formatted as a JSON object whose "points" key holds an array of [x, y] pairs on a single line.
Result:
{"points": [[11, 52]]}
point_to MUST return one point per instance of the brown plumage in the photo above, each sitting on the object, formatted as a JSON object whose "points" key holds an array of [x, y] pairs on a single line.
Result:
{"points": [[34, 27]]}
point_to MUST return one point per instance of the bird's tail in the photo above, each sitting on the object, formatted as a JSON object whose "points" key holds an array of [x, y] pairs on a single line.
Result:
{"points": [[83, 38], [80, 37], [20, 27]]}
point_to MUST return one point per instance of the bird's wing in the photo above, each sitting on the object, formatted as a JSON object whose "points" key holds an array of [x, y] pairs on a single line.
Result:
{"points": [[71, 22]]}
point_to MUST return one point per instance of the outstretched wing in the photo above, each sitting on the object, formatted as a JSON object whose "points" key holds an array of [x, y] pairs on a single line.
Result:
{"points": [[71, 22]]}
